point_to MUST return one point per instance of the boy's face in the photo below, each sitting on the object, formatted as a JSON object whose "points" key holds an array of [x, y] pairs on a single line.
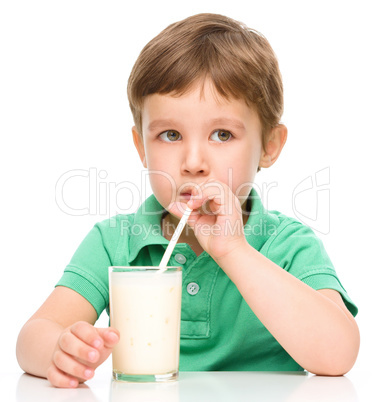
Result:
{"points": [[189, 139]]}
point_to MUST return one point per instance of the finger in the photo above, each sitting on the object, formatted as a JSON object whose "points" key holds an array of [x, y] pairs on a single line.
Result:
{"points": [[72, 345], [59, 379], [216, 198], [87, 333], [111, 336], [69, 365], [210, 192], [207, 205]]}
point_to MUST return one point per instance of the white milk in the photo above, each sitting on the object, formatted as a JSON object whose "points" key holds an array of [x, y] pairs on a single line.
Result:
{"points": [[145, 308]]}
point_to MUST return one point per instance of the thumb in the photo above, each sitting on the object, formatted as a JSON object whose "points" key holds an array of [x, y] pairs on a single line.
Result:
{"points": [[110, 336]]}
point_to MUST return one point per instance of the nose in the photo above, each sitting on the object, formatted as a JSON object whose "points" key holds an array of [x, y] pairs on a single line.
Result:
{"points": [[195, 160]]}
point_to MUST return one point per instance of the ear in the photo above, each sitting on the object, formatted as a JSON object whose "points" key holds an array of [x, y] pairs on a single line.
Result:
{"points": [[139, 144], [275, 142]]}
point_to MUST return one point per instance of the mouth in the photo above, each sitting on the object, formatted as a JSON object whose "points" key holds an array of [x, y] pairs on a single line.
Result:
{"points": [[186, 193], [185, 196]]}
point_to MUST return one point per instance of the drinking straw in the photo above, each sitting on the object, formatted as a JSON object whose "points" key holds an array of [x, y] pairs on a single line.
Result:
{"points": [[174, 239]]}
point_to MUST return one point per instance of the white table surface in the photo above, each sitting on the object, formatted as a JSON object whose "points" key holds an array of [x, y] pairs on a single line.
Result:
{"points": [[200, 386]]}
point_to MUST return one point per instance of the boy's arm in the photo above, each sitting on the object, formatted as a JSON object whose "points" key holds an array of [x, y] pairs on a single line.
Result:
{"points": [[59, 341], [314, 327]]}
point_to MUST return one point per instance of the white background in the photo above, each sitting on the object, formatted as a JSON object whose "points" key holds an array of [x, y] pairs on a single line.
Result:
{"points": [[64, 69]]}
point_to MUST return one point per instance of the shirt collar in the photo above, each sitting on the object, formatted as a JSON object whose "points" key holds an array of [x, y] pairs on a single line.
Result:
{"points": [[146, 228], [261, 224]]}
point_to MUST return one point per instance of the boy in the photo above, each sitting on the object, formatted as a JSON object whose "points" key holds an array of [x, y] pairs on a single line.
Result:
{"points": [[259, 291]]}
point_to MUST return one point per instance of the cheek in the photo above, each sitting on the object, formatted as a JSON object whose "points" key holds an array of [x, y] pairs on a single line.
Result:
{"points": [[161, 177], [244, 172], [162, 182], [163, 188]]}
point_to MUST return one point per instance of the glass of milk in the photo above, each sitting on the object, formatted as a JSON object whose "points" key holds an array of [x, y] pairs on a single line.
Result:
{"points": [[145, 306]]}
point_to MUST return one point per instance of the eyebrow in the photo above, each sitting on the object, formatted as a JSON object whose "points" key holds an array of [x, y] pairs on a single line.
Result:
{"points": [[160, 123], [219, 123], [228, 122]]}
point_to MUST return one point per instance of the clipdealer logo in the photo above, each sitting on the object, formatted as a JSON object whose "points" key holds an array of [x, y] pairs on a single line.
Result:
{"points": [[105, 198], [311, 201]]}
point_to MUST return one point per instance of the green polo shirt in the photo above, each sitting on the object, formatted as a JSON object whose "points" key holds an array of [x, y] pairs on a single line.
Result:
{"points": [[218, 329]]}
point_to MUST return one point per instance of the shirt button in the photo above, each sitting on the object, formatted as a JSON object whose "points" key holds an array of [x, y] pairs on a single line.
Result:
{"points": [[193, 288], [180, 258]]}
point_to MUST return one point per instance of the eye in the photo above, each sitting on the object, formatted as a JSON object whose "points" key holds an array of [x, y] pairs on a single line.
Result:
{"points": [[170, 136], [221, 136]]}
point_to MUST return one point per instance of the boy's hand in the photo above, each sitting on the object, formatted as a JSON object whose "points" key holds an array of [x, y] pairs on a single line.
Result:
{"points": [[217, 218], [80, 349]]}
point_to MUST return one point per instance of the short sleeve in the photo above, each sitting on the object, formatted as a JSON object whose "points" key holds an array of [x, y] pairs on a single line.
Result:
{"points": [[299, 251], [87, 272]]}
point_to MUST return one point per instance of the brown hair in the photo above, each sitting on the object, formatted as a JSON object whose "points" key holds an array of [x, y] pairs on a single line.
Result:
{"points": [[239, 61]]}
